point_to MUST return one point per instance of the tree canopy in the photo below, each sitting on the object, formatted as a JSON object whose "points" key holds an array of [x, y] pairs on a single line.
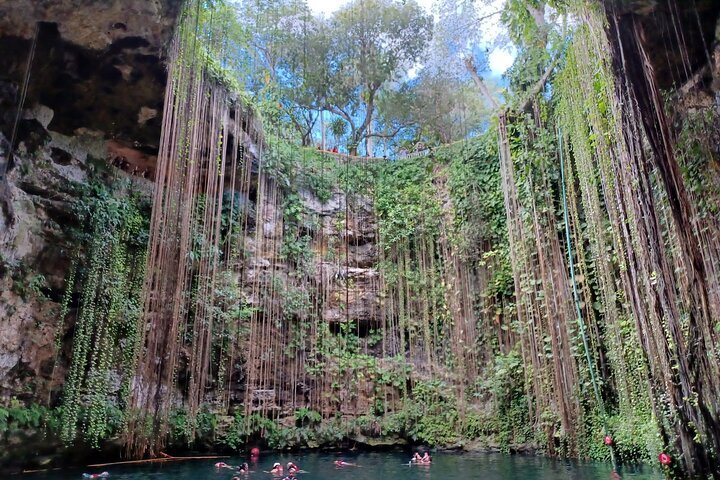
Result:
{"points": [[379, 69]]}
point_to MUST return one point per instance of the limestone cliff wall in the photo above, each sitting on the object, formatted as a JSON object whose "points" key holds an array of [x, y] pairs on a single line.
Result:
{"points": [[93, 101]]}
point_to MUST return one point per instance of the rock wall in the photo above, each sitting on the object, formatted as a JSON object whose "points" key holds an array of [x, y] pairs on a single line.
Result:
{"points": [[93, 101], [36, 246], [97, 65]]}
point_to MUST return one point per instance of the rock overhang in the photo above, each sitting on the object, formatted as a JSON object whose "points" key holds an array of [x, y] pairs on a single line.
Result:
{"points": [[97, 65]]}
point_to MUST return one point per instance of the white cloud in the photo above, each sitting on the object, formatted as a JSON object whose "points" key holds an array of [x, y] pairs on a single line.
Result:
{"points": [[325, 7], [500, 60], [414, 70]]}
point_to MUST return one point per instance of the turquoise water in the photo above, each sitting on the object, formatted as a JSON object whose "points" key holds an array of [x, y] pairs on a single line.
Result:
{"points": [[372, 466]]}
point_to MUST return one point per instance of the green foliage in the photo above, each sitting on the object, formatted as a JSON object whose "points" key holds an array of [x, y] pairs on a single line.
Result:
{"points": [[405, 201], [435, 109], [187, 429], [219, 42], [295, 301], [338, 128], [17, 416], [319, 181], [358, 179], [474, 182], [635, 438], [697, 157], [506, 387], [478, 426], [26, 285], [114, 229], [434, 408]]}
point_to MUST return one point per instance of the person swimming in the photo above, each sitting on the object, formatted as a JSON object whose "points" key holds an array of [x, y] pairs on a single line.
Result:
{"points": [[416, 458], [292, 468], [244, 468], [96, 475], [223, 465], [426, 458], [343, 463], [277, 468]]}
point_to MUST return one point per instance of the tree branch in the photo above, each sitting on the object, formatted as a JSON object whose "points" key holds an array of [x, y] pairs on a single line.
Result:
{"points": [[472, 69], [537, 88], [470, 65], [340, 112], [489, 15], [369, 109], [387, 135]]}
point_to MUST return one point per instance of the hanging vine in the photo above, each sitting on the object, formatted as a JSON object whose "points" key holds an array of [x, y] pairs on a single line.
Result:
{"points": [[107, 316]]}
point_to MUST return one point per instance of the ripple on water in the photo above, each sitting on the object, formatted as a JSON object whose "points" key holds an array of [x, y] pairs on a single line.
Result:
{"points": [[374, 466]]}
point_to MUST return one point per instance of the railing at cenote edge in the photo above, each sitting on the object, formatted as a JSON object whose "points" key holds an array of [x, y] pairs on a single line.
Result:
{"points": [[401, 156]]}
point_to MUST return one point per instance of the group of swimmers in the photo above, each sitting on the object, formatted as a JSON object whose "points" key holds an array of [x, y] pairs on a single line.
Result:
{"points": [[277, 469], [292, 468], [421, 460], [243, 469]]}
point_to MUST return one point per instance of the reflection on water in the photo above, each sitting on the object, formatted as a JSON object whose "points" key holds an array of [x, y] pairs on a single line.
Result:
{"points": [[374, 466]]}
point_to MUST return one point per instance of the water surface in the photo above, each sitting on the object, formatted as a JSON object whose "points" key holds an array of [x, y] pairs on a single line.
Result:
{"points": [[373, 466]]}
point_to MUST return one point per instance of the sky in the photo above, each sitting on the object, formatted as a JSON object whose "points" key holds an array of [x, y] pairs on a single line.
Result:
{"points": [[499, 60]]}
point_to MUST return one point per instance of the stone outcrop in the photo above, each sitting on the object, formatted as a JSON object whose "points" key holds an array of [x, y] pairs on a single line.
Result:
{"points": [[96, 65]]}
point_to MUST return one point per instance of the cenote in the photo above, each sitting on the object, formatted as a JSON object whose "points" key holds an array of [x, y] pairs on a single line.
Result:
{"points": [[316, 225], [375, 466]]}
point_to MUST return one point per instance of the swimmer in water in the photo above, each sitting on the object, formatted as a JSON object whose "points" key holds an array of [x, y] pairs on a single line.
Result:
{"points": [[244, 468], [223, 465], [277, 468], [292, 468], [426, 459], [416, 458], [342, 463], [96, 475]]}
